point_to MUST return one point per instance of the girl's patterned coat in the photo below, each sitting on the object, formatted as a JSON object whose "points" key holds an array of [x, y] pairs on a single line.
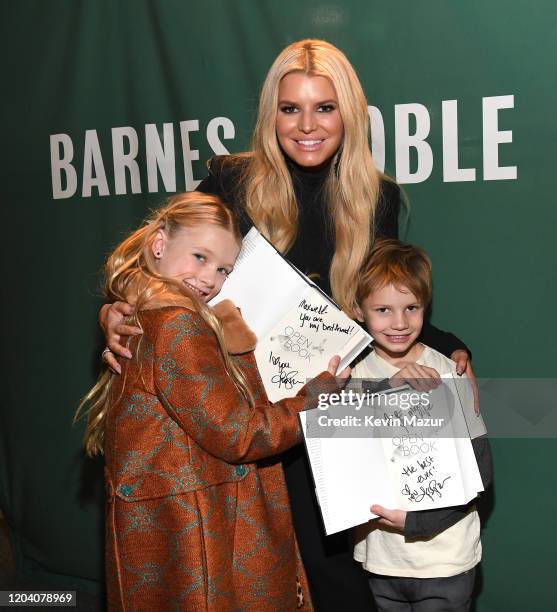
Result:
{"points": [[197, 512]]}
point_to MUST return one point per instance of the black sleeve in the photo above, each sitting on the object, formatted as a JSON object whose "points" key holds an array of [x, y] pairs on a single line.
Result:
{"points": [[388, 208], [225, 180], [428, 523], [442, 341], [209, 185], [220, 179]]}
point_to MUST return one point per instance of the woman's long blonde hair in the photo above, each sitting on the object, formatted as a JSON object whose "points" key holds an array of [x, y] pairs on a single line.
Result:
{"points": [[131, 276], [352, 185]]}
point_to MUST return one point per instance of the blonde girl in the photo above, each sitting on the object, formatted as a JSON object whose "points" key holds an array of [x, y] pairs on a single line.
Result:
{"points": [[195, 520]]}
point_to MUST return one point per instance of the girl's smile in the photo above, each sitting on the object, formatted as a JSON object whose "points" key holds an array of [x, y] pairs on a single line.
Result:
{"points": [[201, 257]]}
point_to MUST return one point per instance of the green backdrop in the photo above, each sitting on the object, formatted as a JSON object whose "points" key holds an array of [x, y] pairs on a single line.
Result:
{"points": [[109, 105]]}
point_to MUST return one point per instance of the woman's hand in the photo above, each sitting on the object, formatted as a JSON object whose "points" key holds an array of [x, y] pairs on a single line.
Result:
{"points": [[464, 366], [395, 519], [419, 377], [116, 333], [333, 367]]}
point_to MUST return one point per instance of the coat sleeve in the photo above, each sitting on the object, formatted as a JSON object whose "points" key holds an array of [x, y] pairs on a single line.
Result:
{"points": [[428, 523], [202, 398]]}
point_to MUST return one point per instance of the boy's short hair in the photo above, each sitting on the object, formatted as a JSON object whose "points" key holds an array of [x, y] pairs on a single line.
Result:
{"points": [[402, 265]]}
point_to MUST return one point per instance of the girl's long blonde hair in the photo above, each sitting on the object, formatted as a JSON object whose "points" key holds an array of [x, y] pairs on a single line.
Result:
{"points": [[353, 182], [131, 276]]}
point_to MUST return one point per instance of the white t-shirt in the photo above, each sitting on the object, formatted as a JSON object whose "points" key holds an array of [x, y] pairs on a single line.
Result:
{"points": [[453, 551]]}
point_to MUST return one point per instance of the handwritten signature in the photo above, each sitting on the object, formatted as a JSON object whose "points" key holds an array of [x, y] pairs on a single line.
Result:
{"points": [[433, 488], [286, 379]]}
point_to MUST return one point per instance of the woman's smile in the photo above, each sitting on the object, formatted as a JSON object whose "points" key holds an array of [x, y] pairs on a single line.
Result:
{"points": [[309, 126]]}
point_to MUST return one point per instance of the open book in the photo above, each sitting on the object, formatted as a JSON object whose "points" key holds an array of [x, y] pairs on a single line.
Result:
{"points": [[298, 327], [361, 456]]}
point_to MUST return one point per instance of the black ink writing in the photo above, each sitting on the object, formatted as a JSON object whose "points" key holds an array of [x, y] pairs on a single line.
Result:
{"points": [[311, 308], [275, 360], [408, 469], [286, 379], [427, 474], [337, 328], [432, 489], [425, 463]]}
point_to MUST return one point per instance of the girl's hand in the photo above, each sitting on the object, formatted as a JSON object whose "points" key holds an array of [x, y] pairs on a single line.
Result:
{"points": [[419, 377], [464, 366], [395, 519], [116, 332], [333, 367]]}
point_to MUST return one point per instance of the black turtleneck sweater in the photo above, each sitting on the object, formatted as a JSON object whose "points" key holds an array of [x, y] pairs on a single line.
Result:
{"points": [[313, 250], [314, 246]]}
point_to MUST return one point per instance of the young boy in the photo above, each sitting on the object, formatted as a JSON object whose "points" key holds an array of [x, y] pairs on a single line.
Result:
{"points": [[420, 561]]}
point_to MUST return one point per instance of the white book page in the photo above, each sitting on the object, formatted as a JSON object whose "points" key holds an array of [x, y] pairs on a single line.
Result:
{"points": [[263, 285], [343, 491], [430, 475], [298, 327], [467, 418], [463, 388], [302, 343], [440, 469], [407, 470]]}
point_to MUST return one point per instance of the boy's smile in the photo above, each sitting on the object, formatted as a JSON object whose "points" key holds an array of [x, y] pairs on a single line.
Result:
{"points": [[394, 317]]}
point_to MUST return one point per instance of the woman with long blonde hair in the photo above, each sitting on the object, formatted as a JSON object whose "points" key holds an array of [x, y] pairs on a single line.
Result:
{"points": [[310, 185], [195, 520]]}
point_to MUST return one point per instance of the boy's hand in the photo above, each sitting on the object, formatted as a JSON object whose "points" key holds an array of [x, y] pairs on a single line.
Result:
{"points": [[395, 519], [419, 377], [116, 332], [464, 366]]}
